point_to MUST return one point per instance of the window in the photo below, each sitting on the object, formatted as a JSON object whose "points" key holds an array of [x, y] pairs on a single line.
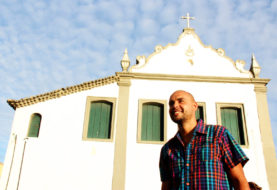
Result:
{"points": [[201, 111], [99, 118], [232, 117], [34, 125], [152, 119]]}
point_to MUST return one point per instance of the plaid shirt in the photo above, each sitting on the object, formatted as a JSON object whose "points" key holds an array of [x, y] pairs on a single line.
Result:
{"points": [[204, 162]]}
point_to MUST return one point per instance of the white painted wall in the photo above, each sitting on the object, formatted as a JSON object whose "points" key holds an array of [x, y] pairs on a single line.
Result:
{"points": [[59, 158]]}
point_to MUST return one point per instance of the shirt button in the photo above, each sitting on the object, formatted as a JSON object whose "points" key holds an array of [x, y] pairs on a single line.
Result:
{"points": [[187, 184]]}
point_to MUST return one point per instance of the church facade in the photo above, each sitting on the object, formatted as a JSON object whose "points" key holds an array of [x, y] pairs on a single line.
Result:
{"points": [[107, 133]]}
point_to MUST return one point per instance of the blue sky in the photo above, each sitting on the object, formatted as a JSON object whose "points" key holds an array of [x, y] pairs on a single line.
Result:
{"points": [[51, 44]]}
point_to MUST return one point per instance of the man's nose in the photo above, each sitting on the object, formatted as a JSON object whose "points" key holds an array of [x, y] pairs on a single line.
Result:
{"points": [[175, 104]]}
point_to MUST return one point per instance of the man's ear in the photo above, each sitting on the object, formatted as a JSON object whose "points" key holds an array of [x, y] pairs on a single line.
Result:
{"points": [[195, 105]]}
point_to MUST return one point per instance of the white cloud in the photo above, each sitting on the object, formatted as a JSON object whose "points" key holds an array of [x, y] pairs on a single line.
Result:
{"points": [[169, 14], [148, 26], [109, 10], [151, 6], [124, 27], [169, 31]]}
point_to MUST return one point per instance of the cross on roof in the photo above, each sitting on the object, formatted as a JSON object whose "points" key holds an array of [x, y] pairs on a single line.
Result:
{"points": [[188, 18]]}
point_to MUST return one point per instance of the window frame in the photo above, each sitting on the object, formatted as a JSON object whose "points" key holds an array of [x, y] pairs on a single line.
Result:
{"points": [[139, 129], [30, 122], [89, 100], [203, 104], [237, 106]]}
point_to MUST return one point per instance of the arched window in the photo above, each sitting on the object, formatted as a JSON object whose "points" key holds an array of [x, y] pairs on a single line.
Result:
{"points": [[99, 118], [152, 121], [99, 125], [34, 125], [201, 111], [232, 117]]}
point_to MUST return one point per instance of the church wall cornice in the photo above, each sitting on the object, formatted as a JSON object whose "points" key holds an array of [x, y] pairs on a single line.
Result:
{"points": [[195, 78], [124, 78], [61, 92]]}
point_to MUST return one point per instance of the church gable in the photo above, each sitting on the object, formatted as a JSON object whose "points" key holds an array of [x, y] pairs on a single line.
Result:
{"points": [[189, 56]]}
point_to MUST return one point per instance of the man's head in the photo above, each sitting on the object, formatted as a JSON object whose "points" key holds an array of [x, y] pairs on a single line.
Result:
{"points": [[182, 107]]}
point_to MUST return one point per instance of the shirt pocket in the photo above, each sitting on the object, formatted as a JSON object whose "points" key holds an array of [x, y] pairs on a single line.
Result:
{"points": [[208, 152]]}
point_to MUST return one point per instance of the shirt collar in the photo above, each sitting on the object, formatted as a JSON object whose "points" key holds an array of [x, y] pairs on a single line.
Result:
{"points": [[179, 138], [200, 128]]}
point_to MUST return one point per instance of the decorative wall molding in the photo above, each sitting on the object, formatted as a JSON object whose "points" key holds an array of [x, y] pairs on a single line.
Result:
{"points": [[259, 88], [192, 78], [124, 79]]}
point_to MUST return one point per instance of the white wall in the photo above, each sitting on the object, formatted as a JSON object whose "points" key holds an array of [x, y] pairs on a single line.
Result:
{"points": [[59, 158]]}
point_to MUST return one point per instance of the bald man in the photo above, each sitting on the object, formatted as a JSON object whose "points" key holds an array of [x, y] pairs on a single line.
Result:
{"points": [[199, 156]]}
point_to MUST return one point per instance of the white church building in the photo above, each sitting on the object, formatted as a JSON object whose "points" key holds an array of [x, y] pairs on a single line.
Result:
{"points": [[107, 133]]}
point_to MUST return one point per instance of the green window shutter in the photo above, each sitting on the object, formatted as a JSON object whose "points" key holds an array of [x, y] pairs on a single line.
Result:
{"points": [[199, 114], [231, 118], [152, 122], [100, 120], [34, 125]]}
